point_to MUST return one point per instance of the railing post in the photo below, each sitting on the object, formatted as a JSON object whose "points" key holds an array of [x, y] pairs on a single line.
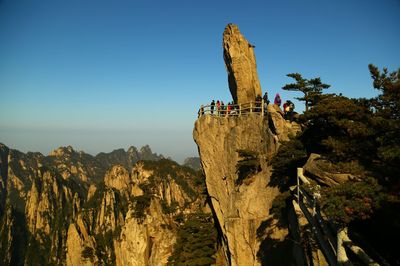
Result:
{"points": [[298, 185], [240, 109], [251, 107], [314, 206], [262, 107]]}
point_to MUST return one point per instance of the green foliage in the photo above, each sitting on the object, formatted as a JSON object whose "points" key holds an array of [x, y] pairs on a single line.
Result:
{"points": [[311, 88], [364, 132], [387, 121], [248, 165], [290, 156], [352, 200], [348, 167], [179, 218], [167, 209], [182, 175], [88, 253], [13, 221], [15, 199], [388, 103], [340, 128], [196, 242], [180, 180], [141, 204], [360, 137], [279, 206], [105, 246]]}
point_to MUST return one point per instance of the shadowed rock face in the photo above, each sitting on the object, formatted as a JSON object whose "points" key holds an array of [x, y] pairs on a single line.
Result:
{"points": [[240, 208], [241, 202], [241, 65]]}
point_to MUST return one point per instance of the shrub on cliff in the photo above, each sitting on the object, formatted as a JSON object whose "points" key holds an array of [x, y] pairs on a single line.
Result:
{"points": [[196, 242], [352, 200], [248, 165], [340, 128], [361, 136], [291, 154]]}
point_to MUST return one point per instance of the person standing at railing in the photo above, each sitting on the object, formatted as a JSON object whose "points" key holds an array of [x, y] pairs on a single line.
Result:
{"points": [[290, 113], [212, 107], [266, 102], [234, 108], [228, 109], [201, 111], [265, 98], [258, 103], [218, 107], [286, 109], [278, 100]]}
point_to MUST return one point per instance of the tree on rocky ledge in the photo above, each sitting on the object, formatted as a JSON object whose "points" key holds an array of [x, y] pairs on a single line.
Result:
{"points": [[360, 137], [387, 122], [311, 88], [196, 241]]}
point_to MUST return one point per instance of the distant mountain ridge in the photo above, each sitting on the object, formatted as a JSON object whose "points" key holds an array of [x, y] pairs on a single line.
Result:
{"points": [[94, 167], [192, 162], [127, 158], [72, 208]]}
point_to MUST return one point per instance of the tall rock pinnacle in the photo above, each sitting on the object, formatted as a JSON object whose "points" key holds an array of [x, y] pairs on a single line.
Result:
{"points": [[241, 65]]}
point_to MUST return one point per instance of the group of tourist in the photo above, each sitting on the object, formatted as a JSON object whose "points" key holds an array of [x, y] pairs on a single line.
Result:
{"points": [[288, 107], [220, 109]]}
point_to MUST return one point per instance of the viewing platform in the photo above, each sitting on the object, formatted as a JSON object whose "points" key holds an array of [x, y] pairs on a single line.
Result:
{"points": [[256, 107]]}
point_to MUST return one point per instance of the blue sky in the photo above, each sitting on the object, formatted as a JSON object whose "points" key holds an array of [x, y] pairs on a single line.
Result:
{"points": [[101, 75]]}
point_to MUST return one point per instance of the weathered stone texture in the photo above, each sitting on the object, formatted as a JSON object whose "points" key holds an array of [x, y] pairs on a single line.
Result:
{"points": [[240, 209], [241, 65]]}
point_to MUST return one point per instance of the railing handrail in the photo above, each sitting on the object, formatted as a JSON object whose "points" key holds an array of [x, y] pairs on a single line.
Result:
{"points": [[312, 203], [258, 107]]}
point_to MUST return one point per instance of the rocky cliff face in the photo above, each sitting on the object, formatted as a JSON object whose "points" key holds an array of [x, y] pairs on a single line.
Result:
{"points": [[240, 192], [133, 221], [235, 153], [53, 213], [241, 65]]}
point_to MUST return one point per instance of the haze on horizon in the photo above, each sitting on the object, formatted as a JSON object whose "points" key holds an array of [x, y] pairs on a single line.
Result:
{"points": [[102, 75]]}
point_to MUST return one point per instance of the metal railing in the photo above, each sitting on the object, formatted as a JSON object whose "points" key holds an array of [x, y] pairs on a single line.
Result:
{"points": [[256, 107], [322, 228]]}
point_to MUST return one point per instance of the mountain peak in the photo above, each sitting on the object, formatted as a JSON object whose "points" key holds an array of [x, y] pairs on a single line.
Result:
{"points": [[62, 151]]}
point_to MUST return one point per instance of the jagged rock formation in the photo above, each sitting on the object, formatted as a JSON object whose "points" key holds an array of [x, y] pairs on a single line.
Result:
{"points": [[127, 158], [74, 164], [241, 202], [280, 127], [53, 213], [241, 65], [235, 154], [320, 170]]}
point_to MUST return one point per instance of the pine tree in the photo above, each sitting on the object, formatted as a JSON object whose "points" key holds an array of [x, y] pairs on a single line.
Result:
{"points": [[311, 88], [387, 121]]}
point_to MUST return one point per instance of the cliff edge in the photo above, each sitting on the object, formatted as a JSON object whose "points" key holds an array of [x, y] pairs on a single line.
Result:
{"points": [[240, 200], [235, 152]]}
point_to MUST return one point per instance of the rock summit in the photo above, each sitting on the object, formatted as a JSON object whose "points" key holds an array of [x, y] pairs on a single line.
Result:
{"points": [[240, 62]]}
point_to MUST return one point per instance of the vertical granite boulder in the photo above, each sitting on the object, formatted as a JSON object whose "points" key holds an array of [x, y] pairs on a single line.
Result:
{"points": [[241, 65]]}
